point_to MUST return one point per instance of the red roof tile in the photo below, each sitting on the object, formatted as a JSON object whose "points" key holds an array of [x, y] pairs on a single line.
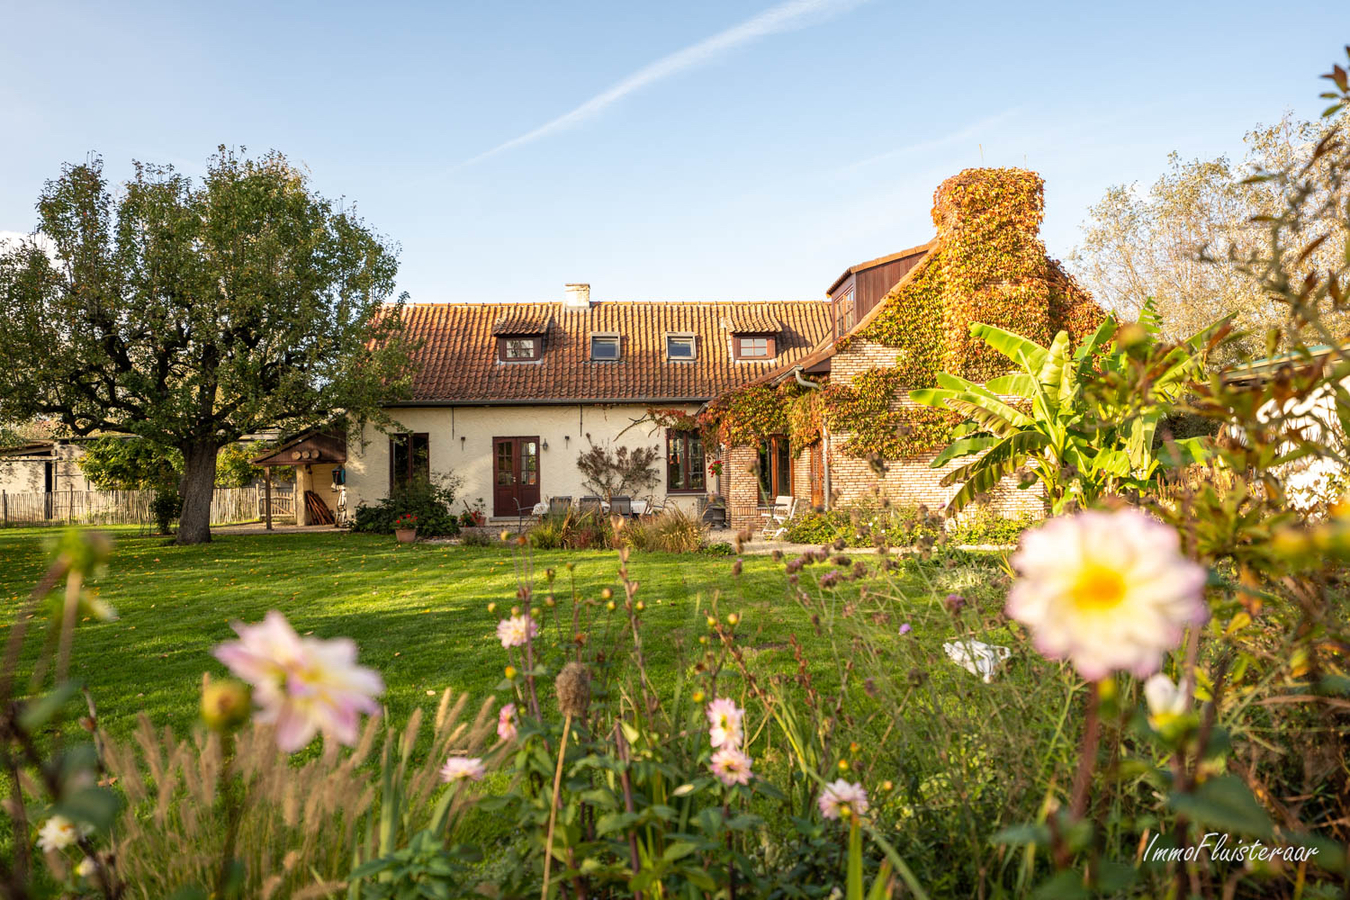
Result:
{"points": [[459, 364]]}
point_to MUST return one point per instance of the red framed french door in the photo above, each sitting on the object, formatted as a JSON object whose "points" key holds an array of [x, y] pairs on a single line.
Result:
{"points": [[515, 474]]}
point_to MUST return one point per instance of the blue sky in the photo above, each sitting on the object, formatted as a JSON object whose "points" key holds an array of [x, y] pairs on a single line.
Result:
{"points": [[727, 150]]}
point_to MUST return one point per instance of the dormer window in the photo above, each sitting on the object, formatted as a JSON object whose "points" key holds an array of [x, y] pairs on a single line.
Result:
{"points": [[521, 348], [681, 347], [754, 346], [605, 348]]}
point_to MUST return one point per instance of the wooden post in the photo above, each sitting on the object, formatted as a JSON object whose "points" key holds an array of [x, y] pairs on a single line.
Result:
{"points": [[267, 487]]}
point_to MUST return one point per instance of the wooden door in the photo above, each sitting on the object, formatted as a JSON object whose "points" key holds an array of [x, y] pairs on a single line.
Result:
{"points": [[515, 474], [817, 476]]}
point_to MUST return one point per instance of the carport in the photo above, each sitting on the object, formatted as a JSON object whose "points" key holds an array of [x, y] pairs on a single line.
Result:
{"points": [[318, 457]]}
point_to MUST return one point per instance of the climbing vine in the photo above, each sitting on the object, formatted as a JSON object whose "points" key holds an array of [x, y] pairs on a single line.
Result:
{"points": [[749, 415], [988, 265]]}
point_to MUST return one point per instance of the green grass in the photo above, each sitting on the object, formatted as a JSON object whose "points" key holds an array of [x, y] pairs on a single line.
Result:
{"points": [[419, 612]]}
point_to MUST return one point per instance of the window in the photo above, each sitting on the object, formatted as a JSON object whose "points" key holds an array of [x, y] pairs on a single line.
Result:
{"points": [[843, 314], [685, 469], [680, 346], [605, 348], [518, 349], [409, 460], [775, 470], [754, 347]]}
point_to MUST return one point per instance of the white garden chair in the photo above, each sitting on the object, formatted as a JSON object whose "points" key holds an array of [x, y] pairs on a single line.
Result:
{"points": [[777, 517]]}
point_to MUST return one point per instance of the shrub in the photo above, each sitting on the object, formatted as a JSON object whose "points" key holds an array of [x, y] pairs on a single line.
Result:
{"points": [[619, 471], [894, 526], [984, 526], [475, 538], [431, 500], [166, 507], [673, 531], [571, 529]]}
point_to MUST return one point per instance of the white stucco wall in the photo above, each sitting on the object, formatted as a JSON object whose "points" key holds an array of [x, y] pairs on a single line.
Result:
{"points": [[460, 442]]}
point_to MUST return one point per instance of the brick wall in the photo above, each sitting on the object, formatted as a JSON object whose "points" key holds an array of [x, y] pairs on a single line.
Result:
{"points": [[742, 486]]}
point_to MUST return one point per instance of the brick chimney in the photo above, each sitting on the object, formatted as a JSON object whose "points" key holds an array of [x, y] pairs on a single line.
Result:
{"points": [[577, 296], [994, 266]]}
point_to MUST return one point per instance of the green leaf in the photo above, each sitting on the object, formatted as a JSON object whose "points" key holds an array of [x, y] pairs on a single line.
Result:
{"points": [[963, 447], [1026, 833], [1224, 802], [1026, 353], [1065, 885], [37, 714], [94, 806]]}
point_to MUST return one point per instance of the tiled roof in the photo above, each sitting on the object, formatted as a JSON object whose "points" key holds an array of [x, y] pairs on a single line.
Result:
{"points": [[753, 321], [459, 364], [533, 319]]}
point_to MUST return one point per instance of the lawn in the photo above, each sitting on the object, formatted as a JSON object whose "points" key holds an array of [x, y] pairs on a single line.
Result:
{"points": [[419, 613]]}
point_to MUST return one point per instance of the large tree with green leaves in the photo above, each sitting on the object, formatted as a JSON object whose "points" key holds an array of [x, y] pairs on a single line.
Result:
{"points": [[191, 312]]}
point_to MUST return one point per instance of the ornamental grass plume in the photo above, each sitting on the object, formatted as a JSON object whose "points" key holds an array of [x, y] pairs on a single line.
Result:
{"points": [[302, 685], [1107, 591]]}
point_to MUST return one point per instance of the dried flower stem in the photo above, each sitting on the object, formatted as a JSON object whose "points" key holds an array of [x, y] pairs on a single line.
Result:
{"points": [[1088, 756], [553, 805]]}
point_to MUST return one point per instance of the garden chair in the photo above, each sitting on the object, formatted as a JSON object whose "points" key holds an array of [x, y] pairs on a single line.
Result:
{"points": [[590, 504], [558, 506], [526, 511], [621, 506], [777, 517]]}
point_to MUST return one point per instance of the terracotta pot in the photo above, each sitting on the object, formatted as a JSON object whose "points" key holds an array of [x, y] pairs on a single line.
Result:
{"points": [[405, 535]]}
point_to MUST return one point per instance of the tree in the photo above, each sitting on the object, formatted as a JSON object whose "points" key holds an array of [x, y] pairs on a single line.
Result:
{"points": [[611, 472], [1184, 241], [117, 462], [1062, 416], [190, 313]]}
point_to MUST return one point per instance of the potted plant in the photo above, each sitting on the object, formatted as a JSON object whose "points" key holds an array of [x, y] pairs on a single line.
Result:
{"points": [[473, 515], [405, 528]]}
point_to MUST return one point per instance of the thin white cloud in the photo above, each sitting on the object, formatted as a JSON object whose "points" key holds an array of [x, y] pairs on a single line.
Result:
{"points": [[956, 137], [787, 16]]}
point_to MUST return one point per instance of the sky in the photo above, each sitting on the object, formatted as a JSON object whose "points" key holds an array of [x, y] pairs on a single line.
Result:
{"points": [[734, 150]]}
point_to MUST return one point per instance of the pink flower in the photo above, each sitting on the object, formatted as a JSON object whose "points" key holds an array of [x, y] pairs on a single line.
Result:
{"points": [[841, 799], [905, 629], [463, 768], [302, 685], [1108, 591], [516, 631], [724, 723], [731, 766], [506, 723]]}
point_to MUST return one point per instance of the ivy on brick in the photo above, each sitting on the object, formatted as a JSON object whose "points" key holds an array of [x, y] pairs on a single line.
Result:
{"points": [[989, 265]]}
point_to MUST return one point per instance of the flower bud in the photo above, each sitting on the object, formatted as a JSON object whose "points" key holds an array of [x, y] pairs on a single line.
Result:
{"points": [[510, 672], [226, 704], [606, 593]]}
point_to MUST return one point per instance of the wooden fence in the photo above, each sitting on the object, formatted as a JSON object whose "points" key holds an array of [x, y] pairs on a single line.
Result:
{"points": [[131, 507]]}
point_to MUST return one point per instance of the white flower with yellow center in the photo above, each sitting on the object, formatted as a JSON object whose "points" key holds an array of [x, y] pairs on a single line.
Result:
{"points": [[58, 833], [1166, 702], [1108, 591]]}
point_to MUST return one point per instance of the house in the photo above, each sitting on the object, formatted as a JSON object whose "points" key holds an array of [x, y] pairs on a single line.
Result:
{"points": [[749, 401], [508, 396], [42, 466], [840, 427]]}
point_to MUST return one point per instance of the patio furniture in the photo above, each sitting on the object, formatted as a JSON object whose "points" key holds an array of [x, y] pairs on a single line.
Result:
{"points": [[714, 513], [527, 512], [557, 506], [777, 517], [590, 504], [621, 506]]}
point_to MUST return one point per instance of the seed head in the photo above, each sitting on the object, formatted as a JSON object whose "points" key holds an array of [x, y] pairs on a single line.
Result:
{"points": [[574, 689]]}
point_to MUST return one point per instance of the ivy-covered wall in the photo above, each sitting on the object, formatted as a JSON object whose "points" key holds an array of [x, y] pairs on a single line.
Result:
{"points": [[989, 265]]}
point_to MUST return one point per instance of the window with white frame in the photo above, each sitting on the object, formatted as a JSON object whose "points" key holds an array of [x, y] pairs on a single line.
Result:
{"points": [[605, 348], [680, 347]]}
